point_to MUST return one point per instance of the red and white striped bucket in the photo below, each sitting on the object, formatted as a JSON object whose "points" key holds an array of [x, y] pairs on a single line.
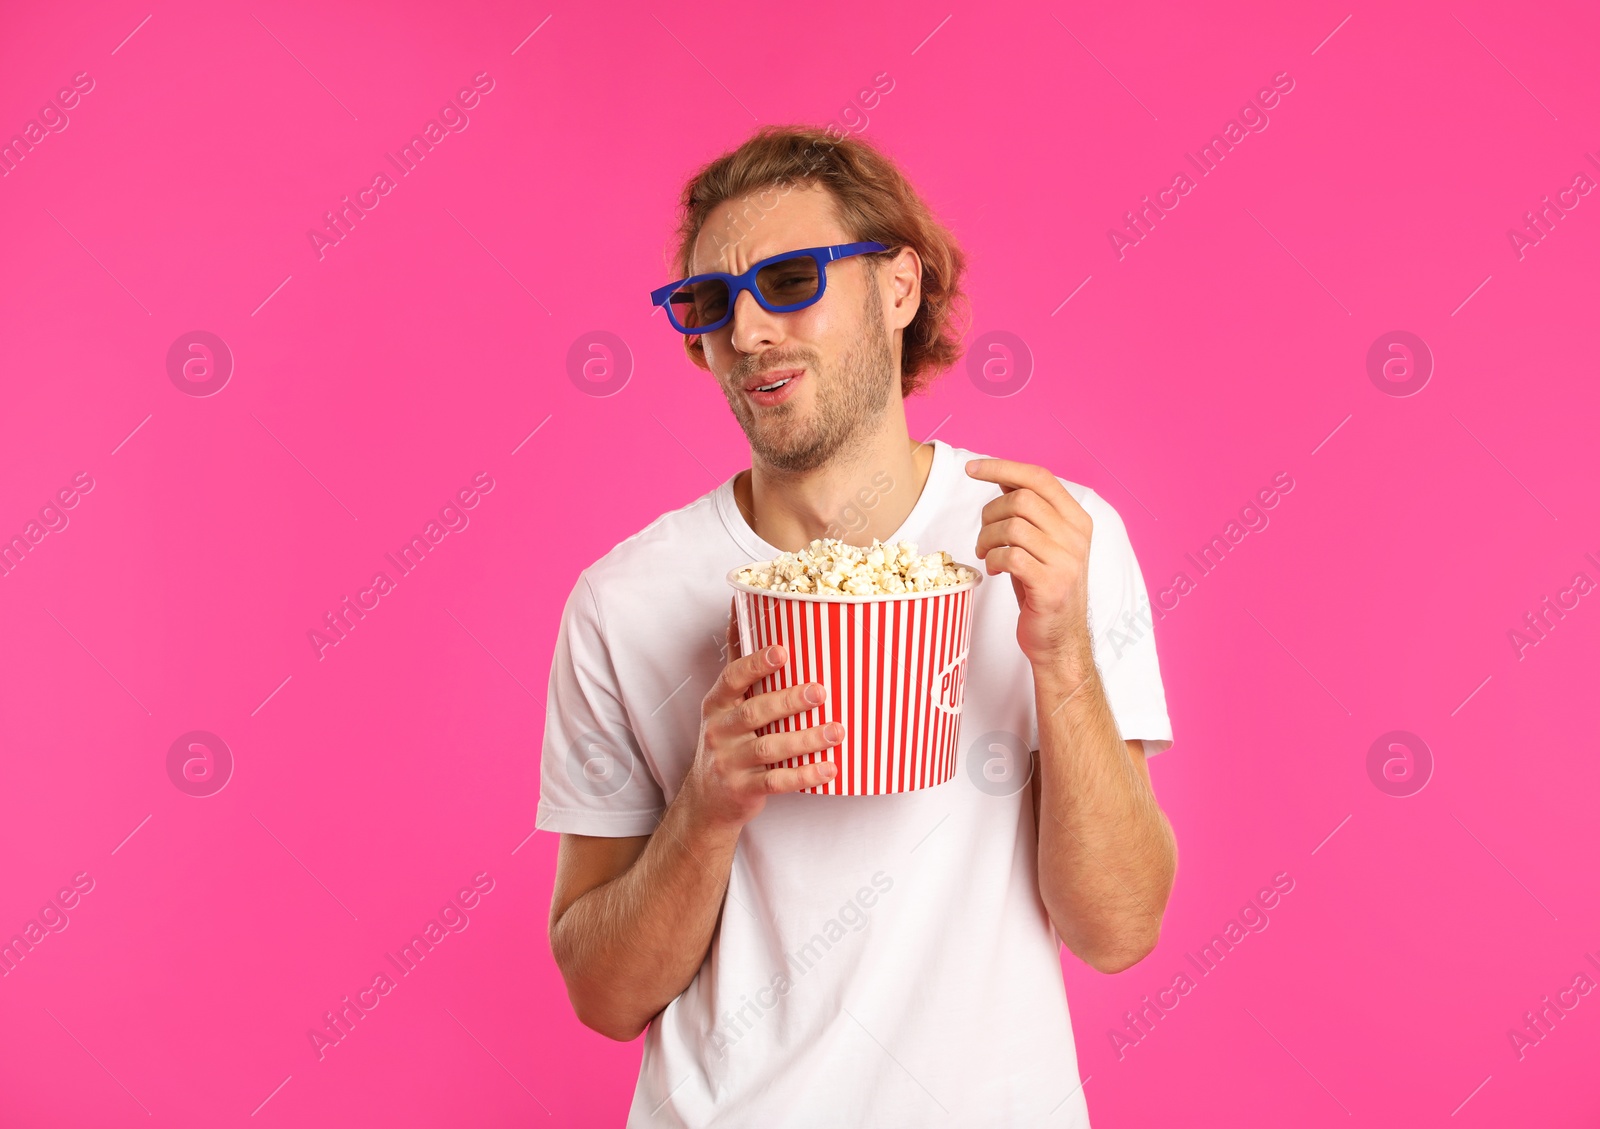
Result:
{"points": [[894, 668]]}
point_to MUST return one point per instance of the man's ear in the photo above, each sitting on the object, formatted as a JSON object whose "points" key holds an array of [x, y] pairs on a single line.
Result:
{"points": [[905, 286]]}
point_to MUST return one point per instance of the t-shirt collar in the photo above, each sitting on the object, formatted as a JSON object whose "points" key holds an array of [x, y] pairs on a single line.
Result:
{"points": [[910, 530]]}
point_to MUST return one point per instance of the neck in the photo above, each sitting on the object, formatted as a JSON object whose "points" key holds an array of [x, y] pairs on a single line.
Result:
{"points": [[866, 492]]}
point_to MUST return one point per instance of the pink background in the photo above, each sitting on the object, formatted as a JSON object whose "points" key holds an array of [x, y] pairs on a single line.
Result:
{"points": [[377, 381]]}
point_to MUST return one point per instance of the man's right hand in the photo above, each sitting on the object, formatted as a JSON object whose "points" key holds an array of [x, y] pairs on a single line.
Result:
{"points": [[731, 777], [631, 919]]}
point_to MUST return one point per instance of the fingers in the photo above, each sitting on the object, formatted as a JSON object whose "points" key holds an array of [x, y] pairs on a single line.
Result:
{"points": [[1019, 532], [763, 709], [741, 674], [1020, 563], [1063, 518], [1011, 475], [779, 780], [1028, 504], [770, 748]]}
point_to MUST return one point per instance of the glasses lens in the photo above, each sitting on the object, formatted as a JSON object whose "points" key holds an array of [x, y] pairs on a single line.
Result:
{"points": [[700, 303], [789, 282]]}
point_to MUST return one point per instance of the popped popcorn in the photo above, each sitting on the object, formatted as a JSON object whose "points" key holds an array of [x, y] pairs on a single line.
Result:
{"points": [[830, 567]]}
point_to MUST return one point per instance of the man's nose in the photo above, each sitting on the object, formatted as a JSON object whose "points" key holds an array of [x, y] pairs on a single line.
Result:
{"points": [[753, 326]]}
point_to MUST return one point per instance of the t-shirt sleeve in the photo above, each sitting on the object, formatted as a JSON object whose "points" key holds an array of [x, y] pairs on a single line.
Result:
{"points": [[1122, 628], [593, 777]]}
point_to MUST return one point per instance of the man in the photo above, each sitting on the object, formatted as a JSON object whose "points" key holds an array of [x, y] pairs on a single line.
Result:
{"points": [[813, 960]]}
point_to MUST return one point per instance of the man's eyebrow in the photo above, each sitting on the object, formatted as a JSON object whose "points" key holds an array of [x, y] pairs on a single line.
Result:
{"points": [[724, 268]]}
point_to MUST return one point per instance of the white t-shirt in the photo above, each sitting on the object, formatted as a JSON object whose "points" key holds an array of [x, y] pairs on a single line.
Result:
{"points": [[880, 960]]}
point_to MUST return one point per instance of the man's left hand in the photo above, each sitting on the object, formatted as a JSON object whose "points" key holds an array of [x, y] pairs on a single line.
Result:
{"points": [[1038, 534]]}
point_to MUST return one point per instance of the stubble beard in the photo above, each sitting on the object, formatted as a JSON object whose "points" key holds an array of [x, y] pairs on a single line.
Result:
{"points": [[849, 399]]}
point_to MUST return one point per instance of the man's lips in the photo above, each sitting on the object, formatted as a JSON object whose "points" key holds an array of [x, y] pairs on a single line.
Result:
{"points": [[770, 380]]}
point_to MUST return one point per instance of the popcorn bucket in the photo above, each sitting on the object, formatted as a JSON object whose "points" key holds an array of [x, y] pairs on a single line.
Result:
{"points": [[894, 667]]}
